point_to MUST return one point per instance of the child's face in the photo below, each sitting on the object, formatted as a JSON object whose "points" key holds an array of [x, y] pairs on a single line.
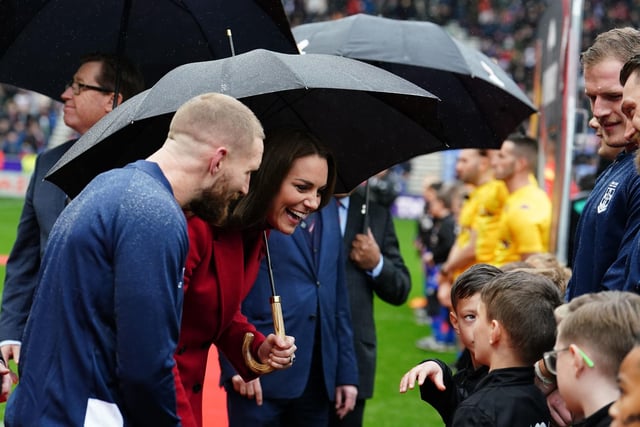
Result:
{"points": [[565, 377], [481, 335], [626, 410], [436, 207], [429, 194], [463, 319]]}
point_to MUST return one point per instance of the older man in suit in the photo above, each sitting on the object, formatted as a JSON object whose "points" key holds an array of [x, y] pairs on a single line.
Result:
{"points": [[87, 98], [375, 266]]}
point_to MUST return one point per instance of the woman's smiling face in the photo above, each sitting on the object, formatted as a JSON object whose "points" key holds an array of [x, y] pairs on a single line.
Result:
{"points": [[300, 193]]}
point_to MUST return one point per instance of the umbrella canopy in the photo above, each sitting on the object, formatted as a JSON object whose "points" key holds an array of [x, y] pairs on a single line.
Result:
{"points": [[370, 118], [41, 41], [480, 104]]}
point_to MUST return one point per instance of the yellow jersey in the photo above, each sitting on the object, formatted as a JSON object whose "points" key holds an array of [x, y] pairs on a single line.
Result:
{"points": [[480, 213], [524, 226]]}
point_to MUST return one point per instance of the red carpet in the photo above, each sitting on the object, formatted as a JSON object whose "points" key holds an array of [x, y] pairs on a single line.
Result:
{"points": [[214, 408]]}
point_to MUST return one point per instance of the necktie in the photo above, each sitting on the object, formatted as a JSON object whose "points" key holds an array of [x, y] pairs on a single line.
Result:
{"points": [[342, 216], [311, 223]]}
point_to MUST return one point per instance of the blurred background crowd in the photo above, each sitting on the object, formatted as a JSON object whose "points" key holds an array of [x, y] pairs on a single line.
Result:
{"points": [[502, 29]]}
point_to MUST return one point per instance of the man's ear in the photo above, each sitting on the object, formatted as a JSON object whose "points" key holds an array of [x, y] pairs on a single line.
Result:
{"points": [[109, 105], [496, 332], [218, 157], [453, 317], [523, 163], [485, 162]]}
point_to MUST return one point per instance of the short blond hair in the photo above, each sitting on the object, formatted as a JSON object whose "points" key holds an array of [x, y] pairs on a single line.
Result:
{"points": [[606, 323], [618, 43], [219, 117]]}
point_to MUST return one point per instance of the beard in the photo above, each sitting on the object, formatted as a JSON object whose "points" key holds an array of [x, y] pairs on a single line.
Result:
{"points": [[214, 203]]}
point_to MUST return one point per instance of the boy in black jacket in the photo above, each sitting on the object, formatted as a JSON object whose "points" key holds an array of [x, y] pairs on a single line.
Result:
{"points": [[515, 326], [438, 385]]}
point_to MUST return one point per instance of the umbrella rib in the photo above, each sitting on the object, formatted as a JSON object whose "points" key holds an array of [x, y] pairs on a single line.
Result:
{"points": [[287, 105], [182, 3]]}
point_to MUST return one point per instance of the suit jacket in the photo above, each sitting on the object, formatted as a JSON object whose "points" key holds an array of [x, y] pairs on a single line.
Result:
{"points": [[220, 270], [313, 294], [392, 285], [43, 204]]}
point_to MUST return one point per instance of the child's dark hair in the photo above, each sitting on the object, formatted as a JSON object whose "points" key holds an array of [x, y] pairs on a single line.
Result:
{"points": [[523, 303], [471, 281]]}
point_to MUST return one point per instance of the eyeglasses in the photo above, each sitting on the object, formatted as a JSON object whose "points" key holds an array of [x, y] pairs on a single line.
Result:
{"points": [[551, 358], [77, 88]]}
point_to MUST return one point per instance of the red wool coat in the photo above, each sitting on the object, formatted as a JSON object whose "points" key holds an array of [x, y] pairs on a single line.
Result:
{"points": [[221, 268]]}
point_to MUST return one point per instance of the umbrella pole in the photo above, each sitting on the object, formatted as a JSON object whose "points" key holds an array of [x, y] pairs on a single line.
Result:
{"points": [[278, 320], [364, 210]]}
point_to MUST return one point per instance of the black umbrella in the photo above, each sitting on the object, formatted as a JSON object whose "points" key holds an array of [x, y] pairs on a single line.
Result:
{"points": [[371, 118], [41, 41], [480, 104]]}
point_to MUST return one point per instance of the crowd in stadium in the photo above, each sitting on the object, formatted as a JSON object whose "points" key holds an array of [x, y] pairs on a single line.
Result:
{"points": [[502, 29]]}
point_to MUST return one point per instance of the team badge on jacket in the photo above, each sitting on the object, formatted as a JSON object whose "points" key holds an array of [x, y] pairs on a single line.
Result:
{"points": [[607, 196]]}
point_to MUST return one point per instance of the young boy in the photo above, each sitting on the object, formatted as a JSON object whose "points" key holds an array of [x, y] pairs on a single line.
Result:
{"points": [[592, 341], [515, 326], [444, 391], [626, 410]]}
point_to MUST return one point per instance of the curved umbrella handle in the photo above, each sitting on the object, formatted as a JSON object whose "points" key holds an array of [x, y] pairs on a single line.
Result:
{"points": [[278, 325]]}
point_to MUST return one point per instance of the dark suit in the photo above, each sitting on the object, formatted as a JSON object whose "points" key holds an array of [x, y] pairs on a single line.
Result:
{"points": [[392, 285], [316, 312], [42, 205]]}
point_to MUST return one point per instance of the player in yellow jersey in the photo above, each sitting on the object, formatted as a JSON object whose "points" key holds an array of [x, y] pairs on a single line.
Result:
{"points": [[526, 218], [479, 218]]}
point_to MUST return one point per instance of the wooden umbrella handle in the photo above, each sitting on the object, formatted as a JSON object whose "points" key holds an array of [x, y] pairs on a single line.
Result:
{"points": [[278, 325], [278, 319]]}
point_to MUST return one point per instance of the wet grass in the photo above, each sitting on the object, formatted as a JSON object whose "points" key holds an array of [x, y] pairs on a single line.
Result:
{"points": [[397, 333]]}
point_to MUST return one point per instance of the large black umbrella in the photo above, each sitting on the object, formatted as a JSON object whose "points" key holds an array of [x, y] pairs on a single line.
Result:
{"points": [[480, 104], [371, 118], [41, 41]]}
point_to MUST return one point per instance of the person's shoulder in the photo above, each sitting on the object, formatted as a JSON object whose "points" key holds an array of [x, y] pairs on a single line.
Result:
{"points": [[529, 197], [626, 165], [136, 191], [57, 151], [198, 227]]}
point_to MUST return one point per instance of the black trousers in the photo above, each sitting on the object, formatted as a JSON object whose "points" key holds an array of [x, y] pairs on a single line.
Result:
{"points": [[352, 419]]}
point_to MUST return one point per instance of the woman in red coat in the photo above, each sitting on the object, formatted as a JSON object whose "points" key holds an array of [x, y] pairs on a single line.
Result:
{"points": [[296, 177]]}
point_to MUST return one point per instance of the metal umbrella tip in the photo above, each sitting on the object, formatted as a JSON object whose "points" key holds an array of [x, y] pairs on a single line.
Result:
{"points": [[233, 50]]}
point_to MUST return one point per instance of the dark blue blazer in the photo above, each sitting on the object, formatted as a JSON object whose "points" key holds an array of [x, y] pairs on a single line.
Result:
{"points": [[43, 204], [310, 294]]}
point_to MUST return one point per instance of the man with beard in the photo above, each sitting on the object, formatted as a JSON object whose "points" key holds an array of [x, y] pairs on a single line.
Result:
{"points": [[296, 177], [479, 219], [610, 219], [98, 346], [526, 216]]}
